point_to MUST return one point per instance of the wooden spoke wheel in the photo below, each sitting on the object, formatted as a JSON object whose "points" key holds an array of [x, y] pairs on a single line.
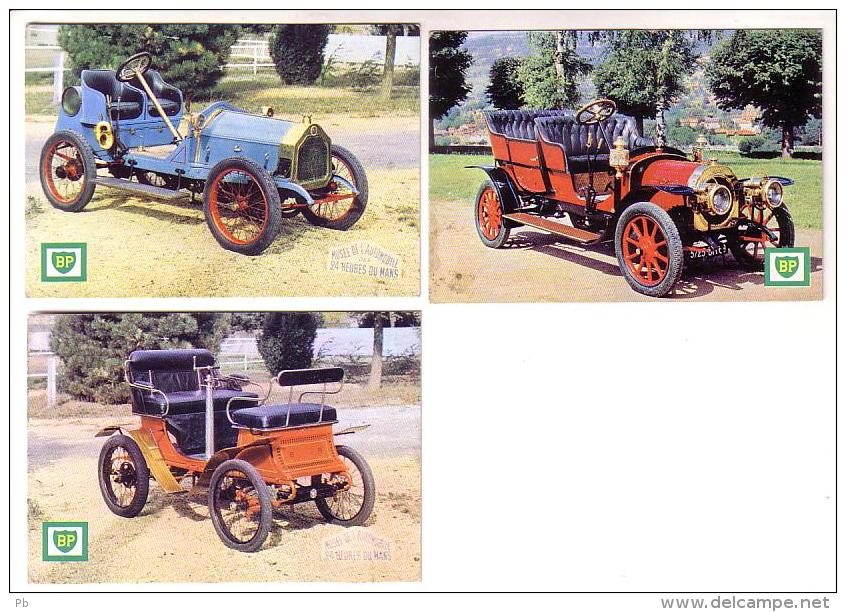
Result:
{"points": [[490, 223], [240, 505], [339, 208], [649, 249], [353, 503], [68, 171], [124, 476], [242, 207], [750, 247]]}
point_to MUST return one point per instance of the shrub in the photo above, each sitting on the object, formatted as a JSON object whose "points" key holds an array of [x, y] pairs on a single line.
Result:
{"points": [[93, 347], [189, 56], [297, 52], [748, 144], [286, 341]]}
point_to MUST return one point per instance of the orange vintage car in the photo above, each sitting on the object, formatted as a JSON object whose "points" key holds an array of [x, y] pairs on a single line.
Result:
{"points": [[591, 177], [247, 457]]}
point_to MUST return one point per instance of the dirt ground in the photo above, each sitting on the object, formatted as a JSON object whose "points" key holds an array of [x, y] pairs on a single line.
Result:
{"points": [[140, 247], [539, 267], [173, 538]]}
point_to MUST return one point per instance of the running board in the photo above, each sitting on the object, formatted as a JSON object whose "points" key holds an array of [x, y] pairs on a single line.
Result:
{"points": [[159, 193], [554, 227]]}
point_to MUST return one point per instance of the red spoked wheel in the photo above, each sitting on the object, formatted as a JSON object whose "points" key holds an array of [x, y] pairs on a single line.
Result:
{"points": [[649, 249], [490, 223], [749, 248], [242, 207], [340, 207], [68, 171]]}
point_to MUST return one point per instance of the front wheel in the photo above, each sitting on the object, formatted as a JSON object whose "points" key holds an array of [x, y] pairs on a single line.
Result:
{"points": [[242, 207], [649, 249], [489, 212], [352, 506], [240, 505], [124, 476], [749, 250], [339, 209], [68, 171]]}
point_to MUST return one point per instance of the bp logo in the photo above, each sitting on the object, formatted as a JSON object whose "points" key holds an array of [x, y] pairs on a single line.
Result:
{"points": [[64, 541], [64, 262], [787, 267]]}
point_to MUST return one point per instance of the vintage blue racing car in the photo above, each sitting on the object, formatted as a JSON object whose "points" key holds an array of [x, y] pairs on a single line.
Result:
{"points": [[120, 129]]}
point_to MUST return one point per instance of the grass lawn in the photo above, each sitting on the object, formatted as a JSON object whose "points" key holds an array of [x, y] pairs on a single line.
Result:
{"points": [[252, 92], [450, 180]]}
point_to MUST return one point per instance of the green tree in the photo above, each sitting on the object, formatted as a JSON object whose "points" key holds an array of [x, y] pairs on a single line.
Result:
{"points": [[286, 341], [189, 56], [504, 90], [247, 321], [448, 63], [93, 347], [778, 71], [297, 52], [644, 71], [550, 76]]}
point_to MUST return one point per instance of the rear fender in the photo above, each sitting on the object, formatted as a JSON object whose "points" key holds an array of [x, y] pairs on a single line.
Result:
{"points": [[504, 190]]}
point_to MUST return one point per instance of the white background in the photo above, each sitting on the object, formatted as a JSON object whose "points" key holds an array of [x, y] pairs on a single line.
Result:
{"points": [[590, 447]]}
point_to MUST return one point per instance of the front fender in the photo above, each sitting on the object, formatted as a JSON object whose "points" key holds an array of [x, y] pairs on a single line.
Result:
{"points": [[504, 187], [295, 190]]}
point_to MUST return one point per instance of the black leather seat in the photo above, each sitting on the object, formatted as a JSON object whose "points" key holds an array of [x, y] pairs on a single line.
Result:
{"points": [[186, 402], [168, 96], [276, 416], [126, 101], [573, 138], [518, 123]]}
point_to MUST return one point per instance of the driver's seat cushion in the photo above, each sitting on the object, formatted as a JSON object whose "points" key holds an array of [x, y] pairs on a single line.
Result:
{"points": [[275, 416], [126, 100], [564, 131], [168, 96]]}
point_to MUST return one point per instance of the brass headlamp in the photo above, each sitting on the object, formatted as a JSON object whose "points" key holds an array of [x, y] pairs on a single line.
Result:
{"points": [[717, 198], [618, 157], [764, 192]]}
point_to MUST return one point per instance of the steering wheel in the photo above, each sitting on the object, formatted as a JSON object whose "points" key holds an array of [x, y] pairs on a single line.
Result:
{"points": [[135, 65], [596, 111]]}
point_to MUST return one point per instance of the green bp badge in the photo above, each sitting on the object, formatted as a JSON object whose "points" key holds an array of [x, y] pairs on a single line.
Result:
{"points": [[787, 267], [64, 541]]}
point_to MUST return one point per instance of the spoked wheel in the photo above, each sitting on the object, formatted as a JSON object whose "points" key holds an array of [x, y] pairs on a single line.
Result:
{"points": [[336, 210], [68, 171], [489, 221], [351, 506], [240, 507], [241, 204], [124, 476], [750, 249], [649, 249]]}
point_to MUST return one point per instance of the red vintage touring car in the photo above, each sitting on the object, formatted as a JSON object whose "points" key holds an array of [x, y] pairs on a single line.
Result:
{"points": [[555, 171]]}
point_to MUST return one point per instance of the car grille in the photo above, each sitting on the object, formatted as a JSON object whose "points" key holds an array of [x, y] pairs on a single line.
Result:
{"points": [[312, 159]]}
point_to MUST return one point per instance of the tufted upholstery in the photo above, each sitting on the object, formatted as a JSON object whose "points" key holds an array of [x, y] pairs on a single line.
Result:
{"points": [[169, 96], [518, 123], [573, 137], [276, 416], [126, 101]]}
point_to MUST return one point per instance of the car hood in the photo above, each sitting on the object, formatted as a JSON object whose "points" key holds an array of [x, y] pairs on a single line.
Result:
{"points": [[684, 173]]}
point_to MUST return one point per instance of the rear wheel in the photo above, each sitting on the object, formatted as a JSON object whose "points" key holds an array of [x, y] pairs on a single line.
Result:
{"points": [[336, 211], [649, 249], [240, 506], [749, 249], [489, 220], [124, 476], [68, 171], [352, 506], [242, 207]]}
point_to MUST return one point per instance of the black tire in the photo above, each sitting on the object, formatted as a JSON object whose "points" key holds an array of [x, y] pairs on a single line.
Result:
{"points": [[368, 494], [132, 475], [491, 226], [268, 224], [745, 255], [84, 165], [671, 250], [356, 210], [218, 497]]}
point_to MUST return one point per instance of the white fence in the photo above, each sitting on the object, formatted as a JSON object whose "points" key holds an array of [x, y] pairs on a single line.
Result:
{"points": [[50, 375], [337, 342]]}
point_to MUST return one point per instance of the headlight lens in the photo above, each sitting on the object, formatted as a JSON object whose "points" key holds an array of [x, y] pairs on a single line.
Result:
{"points": [[720, 199], [773, 193]]}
